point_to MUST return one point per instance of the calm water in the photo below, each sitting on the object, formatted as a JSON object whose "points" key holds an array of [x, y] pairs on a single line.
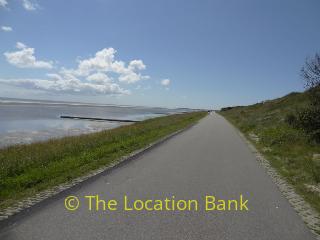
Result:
{"points": [[30, 121]]}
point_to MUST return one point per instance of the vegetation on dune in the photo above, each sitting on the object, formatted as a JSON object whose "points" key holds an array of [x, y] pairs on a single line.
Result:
{"points": [[28, 169], [308, 119], [287, 131], [289, 149]]}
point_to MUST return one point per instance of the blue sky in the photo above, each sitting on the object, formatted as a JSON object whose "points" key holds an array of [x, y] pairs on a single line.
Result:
{"points": [[174, 53]]}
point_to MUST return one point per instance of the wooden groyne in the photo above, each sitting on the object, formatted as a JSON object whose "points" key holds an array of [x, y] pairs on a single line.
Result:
{"points": [[99, 119]]}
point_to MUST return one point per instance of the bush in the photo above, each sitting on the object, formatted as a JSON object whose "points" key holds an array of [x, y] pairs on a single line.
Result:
{"points": [[309, 120], [226, 109], [314, 96], [291, 119]]}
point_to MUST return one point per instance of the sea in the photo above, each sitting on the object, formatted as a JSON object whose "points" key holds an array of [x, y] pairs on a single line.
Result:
{"points": [[25, 121]]}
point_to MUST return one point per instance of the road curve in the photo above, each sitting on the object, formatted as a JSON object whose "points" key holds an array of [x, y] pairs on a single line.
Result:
{"points": [[208, 159]]}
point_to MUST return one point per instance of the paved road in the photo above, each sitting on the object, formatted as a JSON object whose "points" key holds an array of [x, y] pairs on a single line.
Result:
{"points": [[208, 159]]}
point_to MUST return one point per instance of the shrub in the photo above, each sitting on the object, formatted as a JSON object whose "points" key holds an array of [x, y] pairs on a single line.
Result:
{"points": [[291, 119], [309, 121]]}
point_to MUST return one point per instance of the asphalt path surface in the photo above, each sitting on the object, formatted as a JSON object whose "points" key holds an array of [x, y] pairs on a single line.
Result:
{"points": [[209, 159]]}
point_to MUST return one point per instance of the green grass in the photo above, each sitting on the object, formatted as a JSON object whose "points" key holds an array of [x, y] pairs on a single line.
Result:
{"points": [[289, 150], [28, 169]]}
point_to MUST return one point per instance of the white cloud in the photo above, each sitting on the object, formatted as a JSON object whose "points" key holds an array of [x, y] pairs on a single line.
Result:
{"points": [[165, 82], [66, 81], [68, 85], [24, 58], [99, 78], [6, 28], [29, 5], [54, 76], [101, 74], [130, 77], [137, 64], [3, 3], [20, 45], [104, 62]]}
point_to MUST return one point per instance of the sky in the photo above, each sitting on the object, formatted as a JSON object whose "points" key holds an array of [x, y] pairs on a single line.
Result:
{"points": [[168, 53]]}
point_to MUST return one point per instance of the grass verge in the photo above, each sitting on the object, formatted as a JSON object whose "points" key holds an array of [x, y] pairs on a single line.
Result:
{"points": [[28, 169], [288, 150]]}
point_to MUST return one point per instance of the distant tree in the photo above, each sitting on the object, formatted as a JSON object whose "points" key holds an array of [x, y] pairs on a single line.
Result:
{"points": [[311, 72], [309, 118], [311, 76]]}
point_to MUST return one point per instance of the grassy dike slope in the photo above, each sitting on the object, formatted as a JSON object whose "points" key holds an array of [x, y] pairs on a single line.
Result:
{"points": [[28, 169], [288, 150]]}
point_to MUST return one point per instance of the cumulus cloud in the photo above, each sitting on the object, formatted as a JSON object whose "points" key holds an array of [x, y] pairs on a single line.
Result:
{"points": [[137, 64], [99, 78], [6, 28], [101, 74], [24, 58], [29, 5], [165, 82], [104, 62], [3, 3]]}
